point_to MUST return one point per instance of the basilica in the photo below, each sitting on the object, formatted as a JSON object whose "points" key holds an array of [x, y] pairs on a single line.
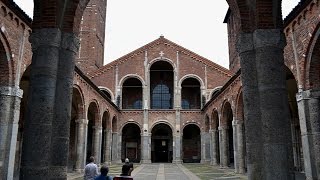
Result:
{"points": [[59, 104]]}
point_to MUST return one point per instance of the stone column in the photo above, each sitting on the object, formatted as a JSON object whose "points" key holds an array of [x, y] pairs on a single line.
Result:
{"points": [[115, 148], [265, 103], [10, 98], [309, 115], [234, 143], [81, 137], [240, 147], [145, 148], [205, 147], [224, 147], [214, 160], [38, 127], [177, 141], [63, 99], [97, 130], [107, 150]]}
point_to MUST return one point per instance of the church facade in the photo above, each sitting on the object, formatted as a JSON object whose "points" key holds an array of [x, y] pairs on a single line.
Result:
{"points": [[161, 102]]}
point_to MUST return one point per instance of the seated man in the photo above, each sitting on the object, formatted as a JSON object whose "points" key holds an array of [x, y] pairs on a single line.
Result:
{"points": [[126, 161], [125, 174], [103, 174]]}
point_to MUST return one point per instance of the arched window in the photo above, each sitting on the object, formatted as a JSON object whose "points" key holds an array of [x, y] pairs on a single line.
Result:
{"points": [[161, 83], [190, 94], [106, 93], [132, 94]]}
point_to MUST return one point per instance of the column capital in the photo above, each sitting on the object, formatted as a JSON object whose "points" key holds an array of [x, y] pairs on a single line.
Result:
{"points": [[70, 42], [45, 37], [269, 37], [82, 121], [11, 91], [308, 94], [97, 127]]}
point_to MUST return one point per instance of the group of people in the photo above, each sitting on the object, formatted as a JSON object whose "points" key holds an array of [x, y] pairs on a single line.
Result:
{"points": [[91, 171]]}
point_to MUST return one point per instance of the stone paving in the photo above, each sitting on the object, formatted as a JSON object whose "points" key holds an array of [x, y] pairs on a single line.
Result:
{"points": [[167, 171]]}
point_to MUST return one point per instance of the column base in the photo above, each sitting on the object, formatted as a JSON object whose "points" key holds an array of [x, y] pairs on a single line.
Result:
{"points": [[106, 163], [79, 170], [213, 163], [145, 161], [177, 161], [205, 161]]}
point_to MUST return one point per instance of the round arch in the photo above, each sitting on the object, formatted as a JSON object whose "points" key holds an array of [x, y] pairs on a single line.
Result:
{"points": [[312, 74], [102, 88], [153, 61], [6, 63], [214, 91], [128, 76], [130, 122], [194, 76], [161, 122]]}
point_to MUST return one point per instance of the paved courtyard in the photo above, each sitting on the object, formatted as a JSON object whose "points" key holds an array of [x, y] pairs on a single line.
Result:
{"points": [[166, 171]]}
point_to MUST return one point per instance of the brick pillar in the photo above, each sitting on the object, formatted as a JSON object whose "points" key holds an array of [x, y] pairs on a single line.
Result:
{"points": [[63, 99], [41, 104], [81, 144], [265, 104], [309, 114], [10, 98]]}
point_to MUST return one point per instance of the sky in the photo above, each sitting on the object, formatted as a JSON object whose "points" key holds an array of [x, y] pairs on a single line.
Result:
{"points": [[194, 24]]}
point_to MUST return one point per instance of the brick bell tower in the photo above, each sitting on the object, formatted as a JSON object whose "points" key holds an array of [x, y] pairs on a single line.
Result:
{"points": [[92, 34]]}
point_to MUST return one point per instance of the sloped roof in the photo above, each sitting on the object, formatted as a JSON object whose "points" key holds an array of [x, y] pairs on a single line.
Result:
{"points": [[160, 40]]}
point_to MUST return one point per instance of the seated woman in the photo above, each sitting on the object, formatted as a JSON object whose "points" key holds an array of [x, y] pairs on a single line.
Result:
{"points": [[125, 174]]}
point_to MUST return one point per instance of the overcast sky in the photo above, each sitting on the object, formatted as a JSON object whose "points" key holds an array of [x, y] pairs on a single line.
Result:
{"points": [[194, 24]]}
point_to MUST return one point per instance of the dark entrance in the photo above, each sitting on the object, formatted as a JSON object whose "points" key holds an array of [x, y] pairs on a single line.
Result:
{"points": [[161, 143]]}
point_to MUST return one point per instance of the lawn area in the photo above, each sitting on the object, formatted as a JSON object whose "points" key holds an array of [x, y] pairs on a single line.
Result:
{"points": [[209, 172]]}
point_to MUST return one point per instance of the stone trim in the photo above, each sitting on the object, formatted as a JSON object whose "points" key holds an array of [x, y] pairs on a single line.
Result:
{"points": [[11, 91]]}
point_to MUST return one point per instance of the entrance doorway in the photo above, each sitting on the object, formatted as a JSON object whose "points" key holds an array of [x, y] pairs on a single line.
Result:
{"points": [[161, 143]]}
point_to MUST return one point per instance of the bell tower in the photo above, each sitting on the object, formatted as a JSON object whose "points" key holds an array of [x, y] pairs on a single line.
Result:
{"points": [[92, 34]]}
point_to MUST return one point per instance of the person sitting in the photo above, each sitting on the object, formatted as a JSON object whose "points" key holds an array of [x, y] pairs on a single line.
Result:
{"points": [[125, 173], [126, 161], [103, 174]]}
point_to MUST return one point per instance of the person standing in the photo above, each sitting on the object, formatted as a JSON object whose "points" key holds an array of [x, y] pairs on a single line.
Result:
{"points": [[91, 170]]}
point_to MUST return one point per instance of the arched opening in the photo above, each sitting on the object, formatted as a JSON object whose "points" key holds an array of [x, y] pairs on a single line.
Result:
{"points": [[215, 128], [105, 92], [76, 113], [314, 72], [132, 94], [131, 143], [191, 144], [292, 90], [4, 66], [24, 85], [106, 129], [190, 94], [161, 143], [92, 122], [161, 85], [228, 139], [216, 91]]}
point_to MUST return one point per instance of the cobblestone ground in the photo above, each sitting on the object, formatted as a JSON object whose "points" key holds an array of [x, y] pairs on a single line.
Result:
{"points": [[175, 172], [209, 172]]}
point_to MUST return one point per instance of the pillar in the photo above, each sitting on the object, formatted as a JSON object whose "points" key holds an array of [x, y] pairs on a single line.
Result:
{"points": [[240, 147], [205, 147], [224, 147], [265, 103], [176, 134], [214, 153], [145, 148], [97, 143], [115, 148], [107, 150], [234, 143], [81, 137], [37, 138], [63, 99], [10, 98], [309, 115]]}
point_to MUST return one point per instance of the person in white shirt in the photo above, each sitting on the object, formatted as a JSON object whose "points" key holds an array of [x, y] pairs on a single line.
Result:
{"points": [[91, 170]]}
